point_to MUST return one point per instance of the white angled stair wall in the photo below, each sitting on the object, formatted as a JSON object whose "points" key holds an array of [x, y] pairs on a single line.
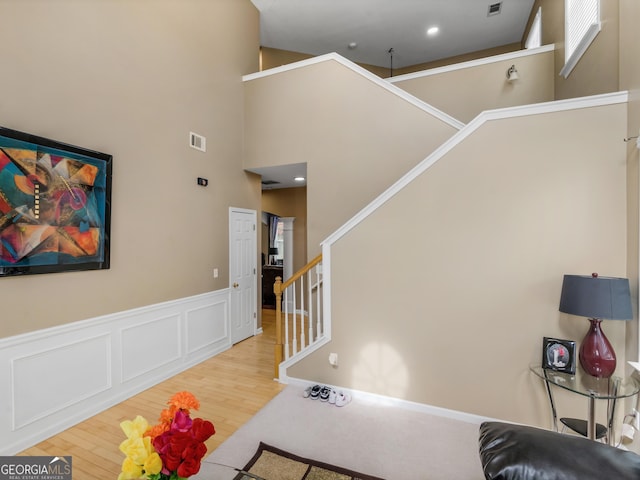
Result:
{"points": [[52, 379]]}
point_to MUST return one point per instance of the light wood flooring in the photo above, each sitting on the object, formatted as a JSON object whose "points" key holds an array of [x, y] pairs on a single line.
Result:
{"points": [[232, 387]]}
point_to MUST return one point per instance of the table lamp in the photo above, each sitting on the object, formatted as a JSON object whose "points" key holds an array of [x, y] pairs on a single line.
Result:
{"points": [[273, 252], [597, 298]]}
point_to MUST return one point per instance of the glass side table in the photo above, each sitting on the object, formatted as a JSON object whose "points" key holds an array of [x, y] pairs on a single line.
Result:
{"points": [[610, 389]]}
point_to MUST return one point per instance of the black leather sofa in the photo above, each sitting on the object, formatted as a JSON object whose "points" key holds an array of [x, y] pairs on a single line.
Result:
{"points": [[516, 452]]}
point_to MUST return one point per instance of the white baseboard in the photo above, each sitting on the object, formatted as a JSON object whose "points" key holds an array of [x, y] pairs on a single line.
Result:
{"points": [[57, 377], [373, 398]]}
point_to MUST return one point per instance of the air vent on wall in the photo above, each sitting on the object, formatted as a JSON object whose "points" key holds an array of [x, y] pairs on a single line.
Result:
{"points": [[198, 142], [494, 9]]}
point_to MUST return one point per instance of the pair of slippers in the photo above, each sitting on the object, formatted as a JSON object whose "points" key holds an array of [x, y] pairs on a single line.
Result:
{"points": [[327, 394]]}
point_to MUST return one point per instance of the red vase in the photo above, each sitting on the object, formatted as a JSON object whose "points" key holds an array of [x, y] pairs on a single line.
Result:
{"points": [[596, 353]]}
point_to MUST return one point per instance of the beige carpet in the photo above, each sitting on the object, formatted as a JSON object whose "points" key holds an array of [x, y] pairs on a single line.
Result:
{"points": [[364, 436]]}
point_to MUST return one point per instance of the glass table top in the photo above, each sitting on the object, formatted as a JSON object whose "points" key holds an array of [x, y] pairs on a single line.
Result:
{"points": [[584, 384]]}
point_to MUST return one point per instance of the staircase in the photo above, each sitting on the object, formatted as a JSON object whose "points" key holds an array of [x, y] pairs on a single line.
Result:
{"points": [[300, 319], [300, 325]]}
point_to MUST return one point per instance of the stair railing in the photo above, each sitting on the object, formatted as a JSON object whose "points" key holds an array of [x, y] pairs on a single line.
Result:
{"points": [[300, 325]]}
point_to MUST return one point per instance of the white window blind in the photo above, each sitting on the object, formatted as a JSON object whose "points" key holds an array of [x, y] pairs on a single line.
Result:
{"points": [[534, 39], [582, 24]]}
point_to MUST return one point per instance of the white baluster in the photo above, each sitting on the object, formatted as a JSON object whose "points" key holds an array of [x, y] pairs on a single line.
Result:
{"points": [[310, 294], [286, 324], [295, 321], [302, 303], [319, 299]]}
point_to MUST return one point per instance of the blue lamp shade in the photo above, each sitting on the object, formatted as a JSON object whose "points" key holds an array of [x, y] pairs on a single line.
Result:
{"points": [[606, 298], [597, 298]]}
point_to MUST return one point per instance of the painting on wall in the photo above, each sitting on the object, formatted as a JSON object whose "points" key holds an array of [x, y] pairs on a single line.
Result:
{"points": [[55, 206]]}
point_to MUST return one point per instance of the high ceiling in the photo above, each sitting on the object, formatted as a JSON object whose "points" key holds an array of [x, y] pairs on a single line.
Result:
{"points": [[364, 31], [317, 27]]}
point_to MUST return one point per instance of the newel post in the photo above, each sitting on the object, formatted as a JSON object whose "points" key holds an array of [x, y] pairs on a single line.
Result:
{"points": [[278, 348]]}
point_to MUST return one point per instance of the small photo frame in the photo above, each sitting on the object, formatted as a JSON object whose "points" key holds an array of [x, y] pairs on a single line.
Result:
{"points": [[559, 355]]}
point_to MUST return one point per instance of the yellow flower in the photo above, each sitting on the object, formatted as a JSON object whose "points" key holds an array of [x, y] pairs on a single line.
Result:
{"points": [[134, 428], [135, 449], [130, 470], [141, 458], [153, 464]]}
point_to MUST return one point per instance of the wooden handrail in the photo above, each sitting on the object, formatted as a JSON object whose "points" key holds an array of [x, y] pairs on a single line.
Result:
{"points": [[278, 288], [297, 275]]}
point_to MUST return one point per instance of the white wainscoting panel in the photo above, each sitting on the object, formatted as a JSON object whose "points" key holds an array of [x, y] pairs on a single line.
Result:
{"points": [[52, 379], [203, 334], [150, 345], [46, 382]]}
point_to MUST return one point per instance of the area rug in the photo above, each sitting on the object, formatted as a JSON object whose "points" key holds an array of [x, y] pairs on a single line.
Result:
{"points": [[271, 463]]}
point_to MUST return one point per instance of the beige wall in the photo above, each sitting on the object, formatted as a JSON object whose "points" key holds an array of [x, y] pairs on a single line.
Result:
{"points": [[272, 57], [442, 296], [132, 79], [630, 81], [490, 52], [347, 126], [290, 202], [464, 93]]}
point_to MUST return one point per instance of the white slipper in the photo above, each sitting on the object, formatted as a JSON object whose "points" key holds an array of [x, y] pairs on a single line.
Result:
{"points": [[342, 399], [332, 396]]}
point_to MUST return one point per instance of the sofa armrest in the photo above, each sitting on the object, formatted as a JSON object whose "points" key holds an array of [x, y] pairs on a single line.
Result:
{"points": [[516, 452]]}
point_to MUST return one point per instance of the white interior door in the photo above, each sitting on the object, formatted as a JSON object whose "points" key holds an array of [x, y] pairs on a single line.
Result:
{"points": [[242, 273]]}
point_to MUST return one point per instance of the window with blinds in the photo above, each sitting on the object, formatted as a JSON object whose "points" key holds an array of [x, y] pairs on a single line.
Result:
{"points": [[582, 24]]}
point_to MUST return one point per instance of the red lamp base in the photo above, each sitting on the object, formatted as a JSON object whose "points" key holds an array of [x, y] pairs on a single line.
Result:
{"points": [[596, 353]]}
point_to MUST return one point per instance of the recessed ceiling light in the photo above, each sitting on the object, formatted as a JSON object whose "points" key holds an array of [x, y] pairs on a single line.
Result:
{"points": [[432, 31], [299, 179], [352, 45]]}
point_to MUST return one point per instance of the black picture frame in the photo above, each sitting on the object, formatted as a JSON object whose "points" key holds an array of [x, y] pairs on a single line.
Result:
{"points": [[55, 206], [559, 355]]}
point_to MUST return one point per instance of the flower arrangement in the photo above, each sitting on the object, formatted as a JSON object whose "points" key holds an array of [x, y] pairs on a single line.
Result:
{"points": [[170, 450]]}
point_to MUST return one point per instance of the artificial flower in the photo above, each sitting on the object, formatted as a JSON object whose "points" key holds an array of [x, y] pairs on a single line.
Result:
{"points": [[181, 421], [184, 401], [172, 449], [140, 461]]}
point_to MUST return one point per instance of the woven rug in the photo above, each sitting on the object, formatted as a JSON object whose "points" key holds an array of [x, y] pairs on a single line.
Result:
{"points": [[271, 463]]}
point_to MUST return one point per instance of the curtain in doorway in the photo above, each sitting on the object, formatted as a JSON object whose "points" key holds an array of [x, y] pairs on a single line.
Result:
{"points": [[273, 230]]}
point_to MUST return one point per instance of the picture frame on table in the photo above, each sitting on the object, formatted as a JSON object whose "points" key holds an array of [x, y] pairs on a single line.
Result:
{"points": [[559, 355]]}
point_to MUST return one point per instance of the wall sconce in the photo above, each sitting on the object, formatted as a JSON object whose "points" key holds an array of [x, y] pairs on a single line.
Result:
{"points": [[512, 73]]}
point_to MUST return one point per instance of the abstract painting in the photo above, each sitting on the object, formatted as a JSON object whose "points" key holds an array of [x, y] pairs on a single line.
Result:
{"points": [[55, 206]]}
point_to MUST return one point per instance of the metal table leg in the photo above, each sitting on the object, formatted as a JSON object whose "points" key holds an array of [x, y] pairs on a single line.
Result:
{"points": [[591, 419], [554, 415]]}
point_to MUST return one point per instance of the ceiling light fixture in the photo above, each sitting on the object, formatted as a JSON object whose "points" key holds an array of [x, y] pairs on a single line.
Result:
{"points": [[352, 45], [299, 179], [431, 31]]}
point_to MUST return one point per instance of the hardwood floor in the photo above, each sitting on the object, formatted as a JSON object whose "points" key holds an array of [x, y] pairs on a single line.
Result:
{"points": [[231, 387]]}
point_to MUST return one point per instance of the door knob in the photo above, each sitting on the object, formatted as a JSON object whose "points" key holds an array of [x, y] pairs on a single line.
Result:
{"points": [[236, 285]]}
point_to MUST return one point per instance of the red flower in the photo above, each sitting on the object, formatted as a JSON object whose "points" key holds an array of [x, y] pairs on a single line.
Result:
{"points": [[181, 422], [189, 467], [202, 429], [170, 446], [195, 451]]}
